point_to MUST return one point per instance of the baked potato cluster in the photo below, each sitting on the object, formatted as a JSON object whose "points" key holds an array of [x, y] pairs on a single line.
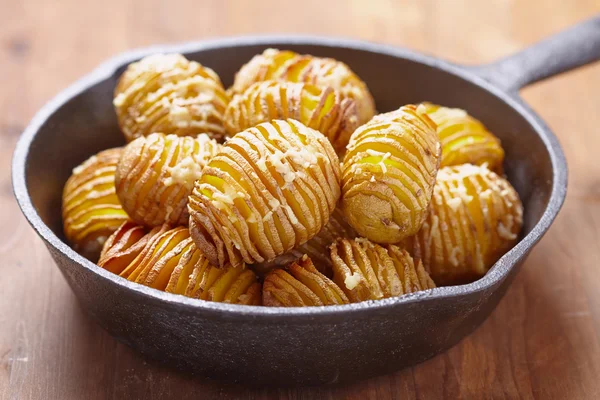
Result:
{"points": [[288, 189]]}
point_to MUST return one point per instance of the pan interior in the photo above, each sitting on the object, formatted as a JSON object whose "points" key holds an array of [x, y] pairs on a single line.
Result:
{"points": [[86, 123]]}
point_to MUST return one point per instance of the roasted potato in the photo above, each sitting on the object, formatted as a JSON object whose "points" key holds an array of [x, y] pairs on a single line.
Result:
{"points": [[388, 174], [156, 174], [474, 218], [170, 94], [91, 210], [320, 108], [464, 139], [270, 189], [300, 285], [367, 271], [286, 65]]}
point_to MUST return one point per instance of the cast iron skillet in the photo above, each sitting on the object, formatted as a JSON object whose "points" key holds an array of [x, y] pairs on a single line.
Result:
{"points": [[312, 345]]}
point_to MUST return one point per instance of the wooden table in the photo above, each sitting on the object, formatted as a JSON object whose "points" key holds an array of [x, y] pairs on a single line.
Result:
{"points": [[541, 342]]}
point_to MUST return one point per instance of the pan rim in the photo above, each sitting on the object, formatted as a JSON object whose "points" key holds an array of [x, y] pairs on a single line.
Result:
{"points": [[105, 70]]}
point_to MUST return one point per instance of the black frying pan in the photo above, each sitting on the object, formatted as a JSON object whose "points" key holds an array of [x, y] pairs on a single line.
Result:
{"points": [[312, 345]]}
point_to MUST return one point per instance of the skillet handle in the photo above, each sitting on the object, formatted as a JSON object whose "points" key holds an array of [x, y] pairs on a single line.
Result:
{"points": [[566, 50]]}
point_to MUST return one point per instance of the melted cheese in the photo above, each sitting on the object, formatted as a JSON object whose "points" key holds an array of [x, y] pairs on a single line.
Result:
{"points": [[505, 233], [454, 203], [180, 116], [352, 281], [291, 215], [185, 173], [119, 100]]}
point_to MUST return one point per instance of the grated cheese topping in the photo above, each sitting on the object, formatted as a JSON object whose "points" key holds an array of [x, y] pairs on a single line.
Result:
{"points": [[352, 280], [180, 116], [185, 173]]}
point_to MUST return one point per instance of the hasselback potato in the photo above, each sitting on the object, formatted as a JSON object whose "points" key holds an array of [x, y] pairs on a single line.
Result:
{"points": [[168, 93], [474, 218], [195, 277], [90, 208], [286, 65], [167, 259], [368, 271], [320, 108], [124, 245], [464, 139], [271, 188], [300, 284], [156, 174], [388, 174]]}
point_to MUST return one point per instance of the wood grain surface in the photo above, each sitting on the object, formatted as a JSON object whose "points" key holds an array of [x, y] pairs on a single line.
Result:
{"points": [[541, 342]]}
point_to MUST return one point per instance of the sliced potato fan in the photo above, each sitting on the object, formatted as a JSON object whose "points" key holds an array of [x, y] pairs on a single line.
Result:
{"points": [[91, 210], [464, 139], [271, 188], [388, 174], [301, 284], [320, 108], [168, 93], [156, 174], [368, 271], [167, 259], [474, 218], [286, 65]]}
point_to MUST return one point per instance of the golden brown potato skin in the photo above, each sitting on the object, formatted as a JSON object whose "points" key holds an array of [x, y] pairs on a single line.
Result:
{"points": [[286, 65], [156, 174], [195, 277], [167, 259], [271, 188], [301, 285], [320, 108], [167, 93], [388, 174], [464, 139], [123, 246], [90, 208], [367, 271], [474, 218], [317, 248]]}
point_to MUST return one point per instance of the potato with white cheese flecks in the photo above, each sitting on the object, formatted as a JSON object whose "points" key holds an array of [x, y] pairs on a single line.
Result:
{"points": [[388, 174], [367, 271], [90, 208], [320, 108], [168, 93], [270, 188], [474, 218], [167, 259], [285, 65], [156, 174]]}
